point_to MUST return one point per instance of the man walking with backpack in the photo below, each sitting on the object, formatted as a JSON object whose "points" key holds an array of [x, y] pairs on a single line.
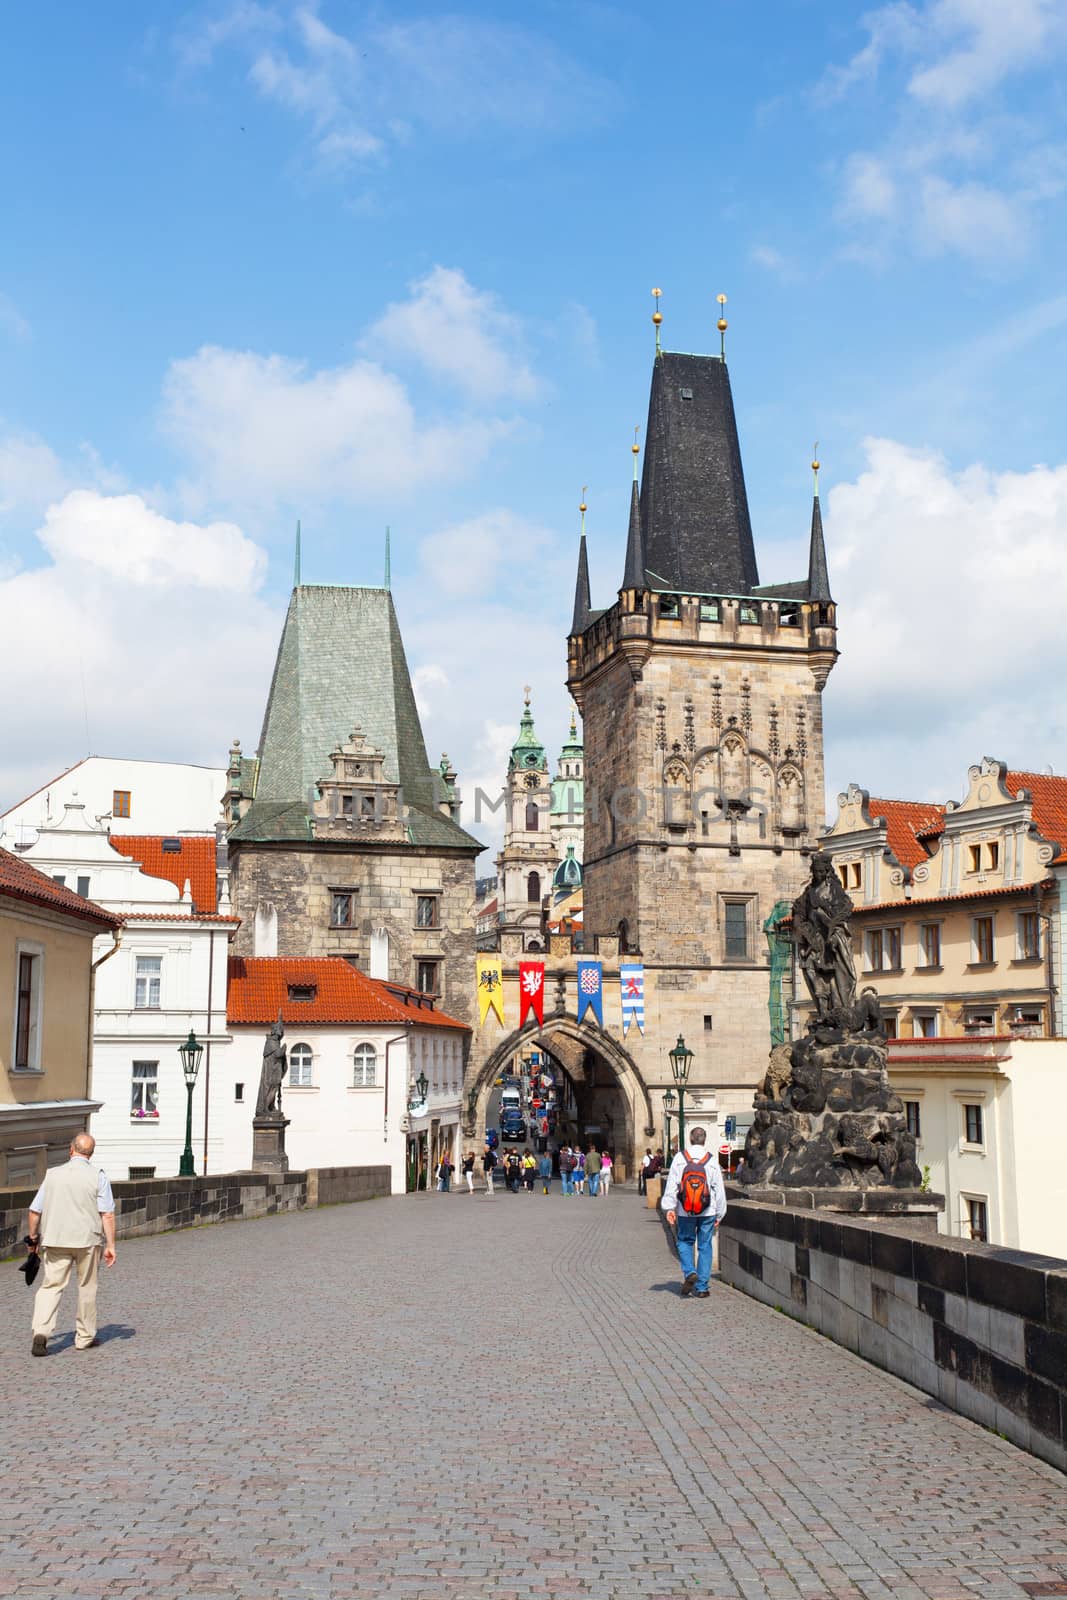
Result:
{"points": [[695, 1202]]}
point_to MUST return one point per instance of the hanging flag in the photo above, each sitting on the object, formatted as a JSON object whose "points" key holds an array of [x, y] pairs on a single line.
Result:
{"points": [[632, 992], [590, 990], [490, 987], [532, 991]]}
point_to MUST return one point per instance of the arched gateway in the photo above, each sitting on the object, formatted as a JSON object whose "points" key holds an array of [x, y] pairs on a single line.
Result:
{"points": [[612, 1097]]}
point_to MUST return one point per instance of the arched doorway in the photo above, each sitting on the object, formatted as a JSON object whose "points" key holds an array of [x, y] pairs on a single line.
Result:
{"points": [[612, 1101]]}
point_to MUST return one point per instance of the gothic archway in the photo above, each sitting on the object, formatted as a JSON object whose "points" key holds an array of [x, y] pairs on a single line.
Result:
{"points": [[566, 1030]]}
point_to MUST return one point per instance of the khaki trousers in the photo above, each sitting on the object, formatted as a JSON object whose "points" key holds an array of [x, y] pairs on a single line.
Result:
{"points": [[57, 1270]]}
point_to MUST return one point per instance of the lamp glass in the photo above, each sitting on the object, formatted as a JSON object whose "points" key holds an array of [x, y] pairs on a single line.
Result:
{"points": [[422, 1083], [681, 1058], [670, 1102], [191, 1054]]}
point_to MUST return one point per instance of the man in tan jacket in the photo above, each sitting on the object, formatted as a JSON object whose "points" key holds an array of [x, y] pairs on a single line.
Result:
{"points": [[79, 1218]]}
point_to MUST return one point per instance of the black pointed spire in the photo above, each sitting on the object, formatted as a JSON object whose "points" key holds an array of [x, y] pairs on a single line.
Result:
{"points": [[581, 587], [818, 576], [634, 574]]}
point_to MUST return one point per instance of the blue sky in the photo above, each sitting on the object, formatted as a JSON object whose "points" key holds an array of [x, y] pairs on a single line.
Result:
{"points": [[391, 265]]}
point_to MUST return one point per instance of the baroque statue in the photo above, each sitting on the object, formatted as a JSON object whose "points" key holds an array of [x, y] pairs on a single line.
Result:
{"points": [[269, 1099], [823, 936]]}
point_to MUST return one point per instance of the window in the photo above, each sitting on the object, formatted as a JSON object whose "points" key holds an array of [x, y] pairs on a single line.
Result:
{"points": [[1027, 936], [427, 979], [842, 873], [709, 611], [735, 919], [924, 1024], [302, 993], [239, 1093], [930, 944], [342, 908], [889, 1023], [789, 617], [367, 807], [707, 1022], [60, 878], [83, 888], [980, 1019], [533, 888], [972, 1124], [146, 983], [974, 858], [668, 605], [27, 1012], [882, 949], [1028, 1019], [120, 803], [911, 1113], [427, 911], [749, 613], [346, 805], [300, 1066], [141, 1174], [533, 816], [977, 1218], [364, 1066], [982, 941], [992, 855], [144, 1090]]}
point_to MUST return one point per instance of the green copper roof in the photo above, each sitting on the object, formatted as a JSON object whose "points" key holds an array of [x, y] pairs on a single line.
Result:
{"points": [[341, 665], [568, 798], [573, 746], [568, 875], [527, 751]]}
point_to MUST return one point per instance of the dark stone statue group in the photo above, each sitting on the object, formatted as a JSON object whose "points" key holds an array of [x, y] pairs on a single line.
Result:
{"points": [[826, 1116]]}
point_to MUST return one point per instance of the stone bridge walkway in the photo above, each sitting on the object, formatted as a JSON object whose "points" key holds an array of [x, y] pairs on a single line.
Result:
{"points": [[450, 1397]]}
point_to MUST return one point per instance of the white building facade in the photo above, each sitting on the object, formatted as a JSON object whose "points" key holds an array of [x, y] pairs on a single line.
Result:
{"points": [[167, 978], [122, 796], [357, 1049]]}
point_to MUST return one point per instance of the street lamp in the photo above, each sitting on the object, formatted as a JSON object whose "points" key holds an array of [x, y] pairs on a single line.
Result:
{"points": [[191, 1054], [681, 1059], [670, 1106], [417, 1096]]}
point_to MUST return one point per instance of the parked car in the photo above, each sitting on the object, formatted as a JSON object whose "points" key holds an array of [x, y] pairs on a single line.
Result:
{"points": [[513, 1127]]}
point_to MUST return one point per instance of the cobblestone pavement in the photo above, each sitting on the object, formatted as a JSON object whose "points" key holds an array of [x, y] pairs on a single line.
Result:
{"points": [[440, 1397]]}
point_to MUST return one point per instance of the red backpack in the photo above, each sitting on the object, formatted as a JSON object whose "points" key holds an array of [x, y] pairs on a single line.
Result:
{"points": [[693, 1191]]}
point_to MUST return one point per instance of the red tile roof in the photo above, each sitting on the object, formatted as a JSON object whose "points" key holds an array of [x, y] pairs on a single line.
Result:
{"points": [[259, 991], [178, 916], [23, 882], [195, 861], [940, 899], [906, 821], [1049, 807]]}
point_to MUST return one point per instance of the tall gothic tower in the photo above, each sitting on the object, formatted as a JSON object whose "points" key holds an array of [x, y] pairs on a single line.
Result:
{"points": [[700, 691], [528, 859]]}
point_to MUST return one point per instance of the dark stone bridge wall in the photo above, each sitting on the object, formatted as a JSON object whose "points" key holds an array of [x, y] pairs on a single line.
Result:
{"points": [[158, 1205], [982, 1328]]}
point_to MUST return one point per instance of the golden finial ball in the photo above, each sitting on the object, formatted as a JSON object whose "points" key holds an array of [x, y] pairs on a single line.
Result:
{"points": [[722, 324], [657, 317], [815, 466], [583, 508], [636, 448]]}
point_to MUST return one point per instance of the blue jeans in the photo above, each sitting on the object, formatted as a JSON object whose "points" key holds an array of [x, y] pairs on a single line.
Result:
{"points": [[698, 1231], [593, 1179], [567, 1182]]}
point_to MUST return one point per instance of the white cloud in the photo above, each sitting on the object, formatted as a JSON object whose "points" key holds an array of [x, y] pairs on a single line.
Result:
{"points": [[772, 260], [363, 91], [469, 558], [952, 173], [257, 429], [458, 333], [950, 585], [31, 474], [133, 624]]}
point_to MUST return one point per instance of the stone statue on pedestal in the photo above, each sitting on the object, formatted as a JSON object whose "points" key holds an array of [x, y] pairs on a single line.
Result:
{"points": [[826, 1115], [275, 1066]]}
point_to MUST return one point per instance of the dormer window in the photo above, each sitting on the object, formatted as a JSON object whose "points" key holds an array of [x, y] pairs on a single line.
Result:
{"points": [[749, 613], [171, 847], [303, 992], [668, 605]]}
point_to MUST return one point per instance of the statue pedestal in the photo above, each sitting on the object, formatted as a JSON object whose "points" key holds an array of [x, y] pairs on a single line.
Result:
{"points": [[918, 1208], [268, 1144]]}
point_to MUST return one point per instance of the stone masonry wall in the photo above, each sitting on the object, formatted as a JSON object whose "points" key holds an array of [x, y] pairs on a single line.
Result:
{"points": [[159, 1205], [299, 880], [981, 1328]]}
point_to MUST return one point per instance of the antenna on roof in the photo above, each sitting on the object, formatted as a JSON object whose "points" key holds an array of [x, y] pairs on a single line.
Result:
{"points": [[657, 316], [388, 569], [722, 326], [296, 558]]}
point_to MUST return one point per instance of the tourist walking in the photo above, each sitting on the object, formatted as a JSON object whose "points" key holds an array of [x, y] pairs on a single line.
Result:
{"points": [[78, 1211], [695, 1201], [592, 1172], [607, 1168], [529, 1171], [566, 1170], [579, 1171], [488, 1167], [545, 1169], [444, 1174], [514, 1173], [468, 1170], [642, 1176]]}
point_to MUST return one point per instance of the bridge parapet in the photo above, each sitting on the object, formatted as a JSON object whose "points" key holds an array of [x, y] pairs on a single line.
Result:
{"points": [[981, 1328]]}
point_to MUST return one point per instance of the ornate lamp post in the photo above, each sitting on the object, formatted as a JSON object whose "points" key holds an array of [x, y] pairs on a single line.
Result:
{"points": [[418, 1091], [681, 1059], [191, 1054], [670, 1106]]}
